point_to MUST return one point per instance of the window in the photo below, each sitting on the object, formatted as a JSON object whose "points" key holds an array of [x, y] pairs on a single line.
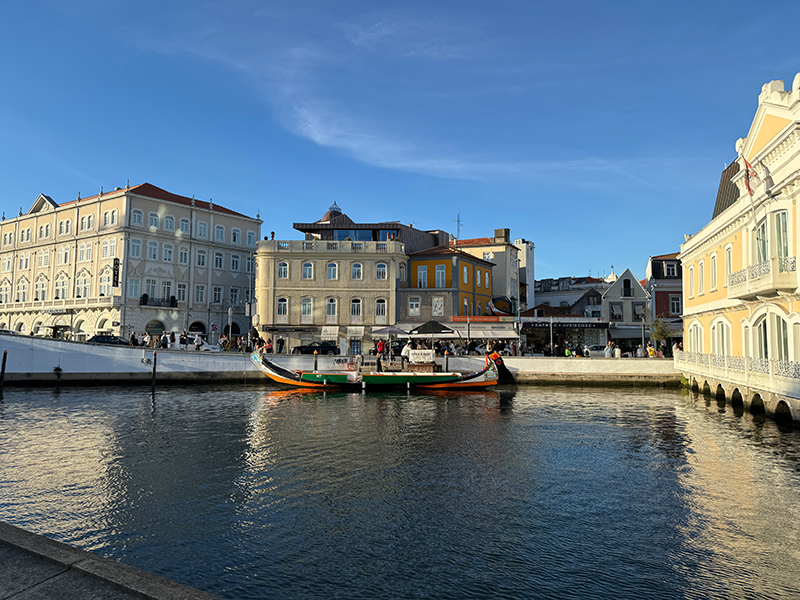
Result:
{"points": [[5, 292], [152, 250], [355, 271], [150, 287], [308, 271], [283, 270], [674, 305], [216, 294], [440, 276], [85, 252], [62, 289], [380, 307], [487, 279], [762, 341], [186, 226], [234, 262], [43, 258], [180, 292], [236, 236], [466, 274], [422, 276], [218, 260], [167, 253], [114, 217], [133, 288], [413, 306], [249, 264], [106, 218], [104, 251], [782, 330], [200, 293], [152, 220], [112, 248], [437, 306], [41, 289], [305, 310], [691, 282], [712, 272], [728, 264], [626, 288], [402, 270], [202, 230], [332, 270], [63, 256], [761, 242], [478, 277], [615, 311], [201, 258], [478, 309], [251, 238], [638, 311], [105, 283], [670, 270], [219, 233], [355, 310], [136, 217], [380, 271], [283, 307], [701, 271], [781, 236], [83, 285], [169, 223], [330, 308], [22, 290], [183, 256]]}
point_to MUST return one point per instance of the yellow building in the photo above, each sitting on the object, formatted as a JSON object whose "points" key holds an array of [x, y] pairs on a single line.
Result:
{"points": [[741, 290], [443, 283]]}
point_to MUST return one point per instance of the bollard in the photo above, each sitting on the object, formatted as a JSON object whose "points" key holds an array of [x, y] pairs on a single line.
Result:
{"points": [[446, 356], [3, 373], [316, 355], [155, 359]]}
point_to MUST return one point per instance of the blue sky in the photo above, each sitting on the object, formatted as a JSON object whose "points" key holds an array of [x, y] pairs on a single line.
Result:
{"points": [[597, 130]]}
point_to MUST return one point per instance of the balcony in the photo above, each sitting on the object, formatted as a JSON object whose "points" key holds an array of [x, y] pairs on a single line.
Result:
{"points": [[331, 247], [778, 274]]}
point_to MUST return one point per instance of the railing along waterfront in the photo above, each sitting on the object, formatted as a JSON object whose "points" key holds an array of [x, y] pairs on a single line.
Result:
{"points": [[718, 365]]}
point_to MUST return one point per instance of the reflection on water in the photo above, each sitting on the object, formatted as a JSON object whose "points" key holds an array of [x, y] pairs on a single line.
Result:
{"points": [[516, 492]]}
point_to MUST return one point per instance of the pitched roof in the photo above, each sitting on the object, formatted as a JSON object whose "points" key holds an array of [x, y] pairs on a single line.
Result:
{"points": [[473, 242], [448, 251], [148, 190], [665, 256], [728, 193]]}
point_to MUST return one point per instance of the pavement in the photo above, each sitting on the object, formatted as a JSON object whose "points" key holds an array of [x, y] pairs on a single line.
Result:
{"points": [[33, 567]]}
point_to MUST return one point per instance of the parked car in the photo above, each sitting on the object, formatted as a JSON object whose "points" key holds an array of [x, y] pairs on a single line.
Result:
{"points": [[597, 350], [8, 332], [321, 347], [114, 340], [206, 347]]}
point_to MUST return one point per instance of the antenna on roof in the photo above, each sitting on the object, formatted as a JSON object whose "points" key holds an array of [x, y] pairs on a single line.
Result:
{"points": [[457, 221]]}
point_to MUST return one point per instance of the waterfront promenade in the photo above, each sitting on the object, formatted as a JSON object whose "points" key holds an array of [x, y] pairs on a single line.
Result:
{"points": [[33, 567]]}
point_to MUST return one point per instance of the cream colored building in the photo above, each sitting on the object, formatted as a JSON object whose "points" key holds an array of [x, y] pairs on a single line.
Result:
{"points": [[740, 284], [133, 259], [327, 290]]}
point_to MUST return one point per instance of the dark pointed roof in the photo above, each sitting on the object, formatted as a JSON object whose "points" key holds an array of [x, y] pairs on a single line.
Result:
{"points": [[728, 193]]}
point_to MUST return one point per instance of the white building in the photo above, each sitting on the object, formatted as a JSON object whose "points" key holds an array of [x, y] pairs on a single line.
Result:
{"points": [[135, 259]]}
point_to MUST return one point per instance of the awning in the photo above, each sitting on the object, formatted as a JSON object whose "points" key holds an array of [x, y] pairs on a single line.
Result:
{"points": [[355, 331], [330, 332], [482, 331]]}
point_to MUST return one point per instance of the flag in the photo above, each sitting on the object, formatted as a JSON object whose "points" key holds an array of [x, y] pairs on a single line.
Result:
{"points": [[751, 178]]}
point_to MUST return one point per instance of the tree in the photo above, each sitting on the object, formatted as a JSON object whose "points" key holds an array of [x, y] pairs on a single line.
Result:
{"points": [[659, 331]]}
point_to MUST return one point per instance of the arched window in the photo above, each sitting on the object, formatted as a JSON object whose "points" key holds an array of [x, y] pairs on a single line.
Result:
{"points": [[169, 223], [283, 307], [380, 307], [152, 220], [380, 271], [305, 310], [332, 270], [330, 310], [308, 270], [761, 343], [355, 271], [355, 310], [782, 338], [283, 270]]}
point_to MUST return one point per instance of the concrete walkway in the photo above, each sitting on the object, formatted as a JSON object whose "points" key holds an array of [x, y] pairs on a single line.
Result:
{"points": [[33, 567]]}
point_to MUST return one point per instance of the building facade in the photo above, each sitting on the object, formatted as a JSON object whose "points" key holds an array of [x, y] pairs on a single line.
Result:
{"points": [[740, 284], [339, 291], [132, 260], [664, 285], [624, 305], [506, 258], [443, 283]]}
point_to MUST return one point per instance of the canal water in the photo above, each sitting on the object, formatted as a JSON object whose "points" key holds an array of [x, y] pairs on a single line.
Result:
{"points": [[528, 492]]}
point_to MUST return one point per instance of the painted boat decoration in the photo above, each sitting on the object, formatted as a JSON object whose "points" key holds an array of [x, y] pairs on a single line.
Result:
{"points": [[404, 379]]}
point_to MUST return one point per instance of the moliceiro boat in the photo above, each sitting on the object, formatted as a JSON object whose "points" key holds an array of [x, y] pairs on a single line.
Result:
{"points": [[487, 376]]}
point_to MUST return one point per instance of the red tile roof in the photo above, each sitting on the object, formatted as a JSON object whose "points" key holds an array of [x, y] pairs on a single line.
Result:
{"points": [[446, 250], [149, 190], [473, 242], [665, 256]]}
